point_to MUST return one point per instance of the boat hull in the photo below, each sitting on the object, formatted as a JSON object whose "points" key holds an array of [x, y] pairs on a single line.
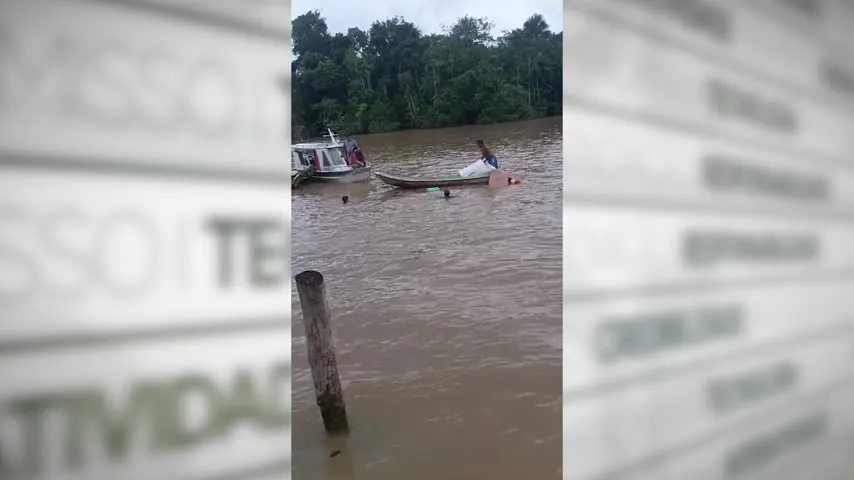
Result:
{"points": [[401, 181], [361, 174]]}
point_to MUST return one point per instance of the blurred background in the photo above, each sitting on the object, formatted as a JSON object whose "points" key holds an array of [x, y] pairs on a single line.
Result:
{"points": [[708, 239], [708, 249], [144, 239]]}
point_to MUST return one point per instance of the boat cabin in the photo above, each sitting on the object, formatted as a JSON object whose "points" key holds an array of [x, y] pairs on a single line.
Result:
{"points": [[328, 157], [319, 156]]}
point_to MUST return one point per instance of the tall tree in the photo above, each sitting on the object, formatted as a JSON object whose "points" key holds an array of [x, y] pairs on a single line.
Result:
{"points": [[394, 77]]}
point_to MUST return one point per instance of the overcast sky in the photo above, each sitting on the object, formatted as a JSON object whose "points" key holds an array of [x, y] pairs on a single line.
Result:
{"points": [[429, 16]]}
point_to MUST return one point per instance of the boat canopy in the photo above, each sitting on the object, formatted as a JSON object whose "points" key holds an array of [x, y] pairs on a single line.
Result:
{"points": [[332, 143], [323, 157], [316, 145]]}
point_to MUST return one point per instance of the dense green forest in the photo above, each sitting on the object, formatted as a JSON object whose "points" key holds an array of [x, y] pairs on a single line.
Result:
{"points": [[393, 77]]}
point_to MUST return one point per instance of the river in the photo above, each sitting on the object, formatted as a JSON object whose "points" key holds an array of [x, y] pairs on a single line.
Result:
{"points": [[447, 312]]}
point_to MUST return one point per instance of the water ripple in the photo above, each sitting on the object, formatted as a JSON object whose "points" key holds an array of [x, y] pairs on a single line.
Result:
{"points": [[455, 301]]}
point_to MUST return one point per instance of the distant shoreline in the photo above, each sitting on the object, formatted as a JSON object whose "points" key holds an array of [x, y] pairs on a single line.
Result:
{"points": [[393, 77], [405, 130]]}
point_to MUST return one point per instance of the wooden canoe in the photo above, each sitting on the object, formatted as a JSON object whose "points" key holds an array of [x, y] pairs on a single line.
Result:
{"points": [[401, 181]]}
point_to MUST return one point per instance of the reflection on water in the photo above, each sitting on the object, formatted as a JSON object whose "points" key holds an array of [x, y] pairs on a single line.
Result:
{"points": [[447, 312]]}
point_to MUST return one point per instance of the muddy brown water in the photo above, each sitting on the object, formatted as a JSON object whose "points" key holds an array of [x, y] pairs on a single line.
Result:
{"points": [[447, 312]]}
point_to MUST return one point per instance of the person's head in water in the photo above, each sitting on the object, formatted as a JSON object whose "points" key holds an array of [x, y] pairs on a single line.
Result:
{"points": [[447, 193], [345, 199]]}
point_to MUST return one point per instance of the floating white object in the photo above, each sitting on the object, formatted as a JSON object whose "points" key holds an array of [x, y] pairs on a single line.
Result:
{"points": [[477, 168]]}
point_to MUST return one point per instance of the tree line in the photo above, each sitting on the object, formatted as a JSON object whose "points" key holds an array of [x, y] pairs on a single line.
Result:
{"points": [[393, 77]]}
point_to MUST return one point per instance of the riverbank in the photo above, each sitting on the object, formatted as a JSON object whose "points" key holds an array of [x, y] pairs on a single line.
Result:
{"points": [[427, 131]]}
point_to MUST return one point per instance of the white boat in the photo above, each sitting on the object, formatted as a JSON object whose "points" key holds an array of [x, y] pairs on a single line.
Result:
{"points": [[327, 162]]}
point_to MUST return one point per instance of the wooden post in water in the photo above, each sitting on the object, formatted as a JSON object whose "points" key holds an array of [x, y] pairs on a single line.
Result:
{"points": [[321, 350]]}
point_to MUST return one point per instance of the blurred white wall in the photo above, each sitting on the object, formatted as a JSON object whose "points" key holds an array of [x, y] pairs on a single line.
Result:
{"points": [[144, 240], [708, 239]]}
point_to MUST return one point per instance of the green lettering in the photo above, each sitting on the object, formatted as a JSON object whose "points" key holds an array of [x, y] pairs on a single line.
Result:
{"points": [[727, 100], [278, 412], [155, 417], [31, 414], [176, 433], [725, 174], [671, 329], [263, 252], [656, 332], [762, 450], [726, 394], [242, 404], [702, 248], [115, 430], [73, 446]]}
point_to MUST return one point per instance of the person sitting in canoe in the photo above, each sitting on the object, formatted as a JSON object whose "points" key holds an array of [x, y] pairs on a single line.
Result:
{"points": [[487, 155], [354, 154]]}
